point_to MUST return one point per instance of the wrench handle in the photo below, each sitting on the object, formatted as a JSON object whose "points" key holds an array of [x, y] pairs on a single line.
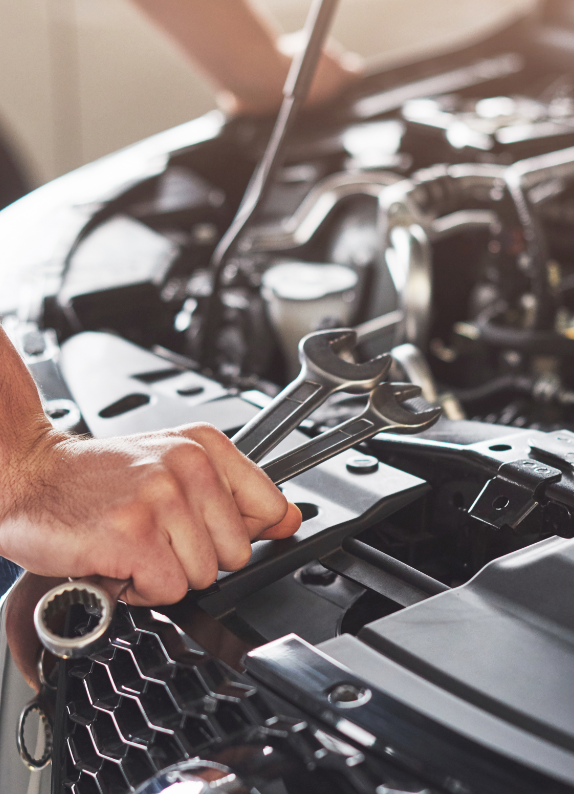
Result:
{"points": [[283, 415], [348, 434]]}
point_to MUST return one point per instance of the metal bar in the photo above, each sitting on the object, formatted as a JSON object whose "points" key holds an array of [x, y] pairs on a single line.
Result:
{"points": [[378, 325], [382, 573], [295, 91]]}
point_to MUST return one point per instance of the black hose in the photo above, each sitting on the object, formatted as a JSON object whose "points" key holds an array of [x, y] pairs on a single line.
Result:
{"points": [[533, 342], [384, 562], [537, 252], [519, 384]]}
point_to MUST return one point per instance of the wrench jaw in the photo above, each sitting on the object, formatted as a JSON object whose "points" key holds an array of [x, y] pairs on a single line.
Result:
{"points": [[383, 413], [387, 404], [321, 361], [323, 373]]}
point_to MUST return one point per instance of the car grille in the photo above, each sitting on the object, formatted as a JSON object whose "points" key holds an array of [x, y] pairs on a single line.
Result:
{"points": [[149, 700], [146, 702]]}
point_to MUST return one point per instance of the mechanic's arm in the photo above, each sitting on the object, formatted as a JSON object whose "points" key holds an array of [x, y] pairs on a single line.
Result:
{"points": [[166, 509], [240, 52]]}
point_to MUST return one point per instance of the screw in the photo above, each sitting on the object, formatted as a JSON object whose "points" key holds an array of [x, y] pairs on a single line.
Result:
{"points": [[317, 574]]}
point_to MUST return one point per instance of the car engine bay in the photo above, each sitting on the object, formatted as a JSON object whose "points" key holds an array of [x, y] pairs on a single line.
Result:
{"points": [[432, 210]]}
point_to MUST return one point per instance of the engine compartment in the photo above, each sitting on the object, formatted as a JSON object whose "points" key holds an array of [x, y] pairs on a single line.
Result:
{"points": [[434, 215], [431, 209]]}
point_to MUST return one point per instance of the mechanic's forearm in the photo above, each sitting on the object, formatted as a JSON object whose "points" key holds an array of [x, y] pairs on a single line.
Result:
{"points": [[238, 49], [23, 426], [234, 45]]}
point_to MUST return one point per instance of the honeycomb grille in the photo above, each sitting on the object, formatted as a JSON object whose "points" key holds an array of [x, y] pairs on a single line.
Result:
{"points": [[149, 700], [146, 702]]}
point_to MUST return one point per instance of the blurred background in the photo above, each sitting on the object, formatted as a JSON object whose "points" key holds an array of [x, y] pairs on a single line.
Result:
{"points": [[81, 78]]}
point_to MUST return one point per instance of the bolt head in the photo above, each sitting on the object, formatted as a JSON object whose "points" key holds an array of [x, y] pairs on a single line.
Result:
{"points": [[349, 696], [362, 464]]}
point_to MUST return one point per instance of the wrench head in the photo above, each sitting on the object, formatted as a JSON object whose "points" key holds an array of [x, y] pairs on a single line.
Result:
{"points": [[320, 356], [387, 404]]}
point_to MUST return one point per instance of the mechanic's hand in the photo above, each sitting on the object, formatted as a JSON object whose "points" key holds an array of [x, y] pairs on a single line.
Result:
{"points": [[244, 55], [166, 510], [336, 71]]}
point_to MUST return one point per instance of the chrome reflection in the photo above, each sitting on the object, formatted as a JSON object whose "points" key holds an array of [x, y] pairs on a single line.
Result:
{"points": [[42, 738], [314, 210], [194, 777]]}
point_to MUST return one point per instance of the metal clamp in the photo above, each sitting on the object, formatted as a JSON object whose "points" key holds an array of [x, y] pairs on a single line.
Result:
{"points": [[514, 493]]}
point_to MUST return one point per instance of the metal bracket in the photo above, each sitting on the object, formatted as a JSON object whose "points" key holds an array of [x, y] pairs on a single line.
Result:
{"points": [[514, 493], [558, 447]]}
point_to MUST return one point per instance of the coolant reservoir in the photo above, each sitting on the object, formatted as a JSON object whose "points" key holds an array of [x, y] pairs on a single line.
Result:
{"points": [[300, 296]]}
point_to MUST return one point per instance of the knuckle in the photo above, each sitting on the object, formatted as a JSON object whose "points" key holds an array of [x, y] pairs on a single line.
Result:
{"points": [[177, 589], [206, 576], [241, 557], [130, 519], [208, 435], [187, 454], [160, 484]]}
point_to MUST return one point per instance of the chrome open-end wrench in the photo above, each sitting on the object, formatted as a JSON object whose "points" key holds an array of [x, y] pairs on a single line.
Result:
{"points": [[385, 412], [323, 372]]}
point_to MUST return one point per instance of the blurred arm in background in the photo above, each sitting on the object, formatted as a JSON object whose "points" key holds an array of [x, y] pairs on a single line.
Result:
{"points": [[243, 54]]}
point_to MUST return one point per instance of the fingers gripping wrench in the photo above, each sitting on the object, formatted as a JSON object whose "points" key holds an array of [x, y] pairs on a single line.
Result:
{"points": [[323, 372]]}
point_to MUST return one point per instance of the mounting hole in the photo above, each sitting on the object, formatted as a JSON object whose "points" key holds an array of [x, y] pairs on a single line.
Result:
{"points": [[124, 405], [158, 375], [458, 500], [500, 447], [501, 502], [63, 414], [308, 510], [58, 413], [192, 391]]}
